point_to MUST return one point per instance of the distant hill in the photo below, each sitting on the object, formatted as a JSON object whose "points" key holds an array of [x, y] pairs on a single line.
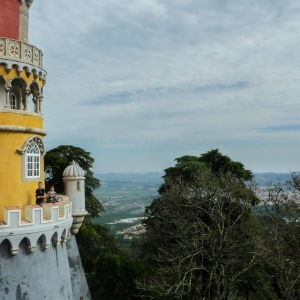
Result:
{"points": [[263, 178], [156, 177]]}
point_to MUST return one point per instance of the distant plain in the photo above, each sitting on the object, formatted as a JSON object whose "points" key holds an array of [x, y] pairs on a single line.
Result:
{"points": [[126, 195]]}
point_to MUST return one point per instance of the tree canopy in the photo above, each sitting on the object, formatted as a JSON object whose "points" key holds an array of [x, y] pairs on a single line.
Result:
{"points": [[57, 159], [188, 167], [206, 237], [201, 238]]}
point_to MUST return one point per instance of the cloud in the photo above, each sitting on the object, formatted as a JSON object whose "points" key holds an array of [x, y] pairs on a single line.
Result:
{"points": [[292, 127], [175, 77]]}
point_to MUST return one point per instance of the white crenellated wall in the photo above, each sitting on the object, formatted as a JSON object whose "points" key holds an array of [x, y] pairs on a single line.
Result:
{"points": [[51, 224]]}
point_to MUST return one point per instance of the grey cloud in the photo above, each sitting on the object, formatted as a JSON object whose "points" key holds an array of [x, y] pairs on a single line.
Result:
{"points": [[125, 96], [152, 72]]}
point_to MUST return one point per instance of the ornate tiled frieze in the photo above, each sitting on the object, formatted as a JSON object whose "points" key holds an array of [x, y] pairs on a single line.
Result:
{"points": [[17, 50]]}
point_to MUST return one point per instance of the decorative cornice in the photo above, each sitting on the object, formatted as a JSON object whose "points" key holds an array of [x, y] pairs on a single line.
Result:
{"points": [[22, 129], [37, 72], [20, 112]]}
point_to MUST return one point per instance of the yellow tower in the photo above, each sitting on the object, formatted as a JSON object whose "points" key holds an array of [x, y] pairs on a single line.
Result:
{"points": [[39, 257], [22, 79]]}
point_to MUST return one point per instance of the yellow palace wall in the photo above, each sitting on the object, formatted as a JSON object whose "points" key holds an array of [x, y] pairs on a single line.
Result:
{"points": [[14, 191]]}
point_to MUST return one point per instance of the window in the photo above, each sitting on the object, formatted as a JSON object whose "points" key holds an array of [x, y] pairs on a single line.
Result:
{"points": [[13, 101], [32, 151], [32, 160]]}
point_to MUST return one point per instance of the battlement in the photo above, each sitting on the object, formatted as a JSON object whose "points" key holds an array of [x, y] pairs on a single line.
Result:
{"points": [[49, 224]]}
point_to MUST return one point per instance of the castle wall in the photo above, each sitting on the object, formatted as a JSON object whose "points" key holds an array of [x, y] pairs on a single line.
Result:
{"points": [[55, 273], [40, 260], [10, 18], [39, 275], [79, 284]]}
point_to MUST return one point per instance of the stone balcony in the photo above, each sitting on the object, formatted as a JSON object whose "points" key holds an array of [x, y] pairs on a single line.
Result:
{"points": [[50, 224], [19, 51]]}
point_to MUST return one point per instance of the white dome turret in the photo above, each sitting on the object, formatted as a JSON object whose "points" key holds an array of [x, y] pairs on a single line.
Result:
{"points": [[73, 177], [73, 170]]}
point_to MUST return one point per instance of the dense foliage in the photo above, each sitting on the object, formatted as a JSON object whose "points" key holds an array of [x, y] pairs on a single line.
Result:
{"points": [[110, 271], [203, 240], [57, 159], [188, 167]]}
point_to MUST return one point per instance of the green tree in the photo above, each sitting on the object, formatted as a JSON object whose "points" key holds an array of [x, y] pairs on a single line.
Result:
{"points": [[110, 271], [219, 163], [187, 168], [202, 240], [280, 217], [57, 159]]}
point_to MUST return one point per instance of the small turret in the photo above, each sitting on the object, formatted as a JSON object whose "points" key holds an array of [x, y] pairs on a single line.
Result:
{"points": [[74, 180]]}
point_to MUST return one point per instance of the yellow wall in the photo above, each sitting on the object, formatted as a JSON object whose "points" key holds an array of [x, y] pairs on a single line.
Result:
{"points": [[13, 191], [13, 73], [20, 118]]}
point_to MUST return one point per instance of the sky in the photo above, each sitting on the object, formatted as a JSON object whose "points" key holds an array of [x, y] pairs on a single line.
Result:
{"points": [[138, 83]]}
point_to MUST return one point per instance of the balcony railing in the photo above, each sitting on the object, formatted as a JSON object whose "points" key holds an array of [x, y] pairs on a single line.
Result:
{"points": [[19, 51]]}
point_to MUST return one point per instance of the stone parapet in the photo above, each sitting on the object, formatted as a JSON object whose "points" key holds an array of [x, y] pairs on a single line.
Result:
{"points": [[20, 51], [50, 223]]}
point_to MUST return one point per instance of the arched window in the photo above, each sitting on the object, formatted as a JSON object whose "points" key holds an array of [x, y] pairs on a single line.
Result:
{"points": [[32, 151], [33, 161]]}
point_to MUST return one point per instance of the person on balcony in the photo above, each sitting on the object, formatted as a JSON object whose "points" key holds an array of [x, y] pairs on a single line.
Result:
{"points": [[52, 195], [40, 194]]}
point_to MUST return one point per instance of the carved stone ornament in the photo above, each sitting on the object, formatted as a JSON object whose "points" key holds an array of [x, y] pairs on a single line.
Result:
{"points": [[35, 139]]}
